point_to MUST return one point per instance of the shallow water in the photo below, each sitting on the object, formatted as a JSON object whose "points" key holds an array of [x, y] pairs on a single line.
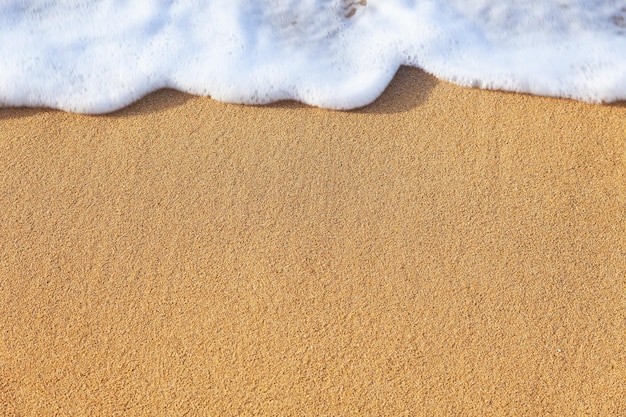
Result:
{"points": [[97, 56]]}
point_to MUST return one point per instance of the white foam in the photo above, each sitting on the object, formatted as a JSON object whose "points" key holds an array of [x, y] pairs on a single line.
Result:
{"points": [[96, 56]]}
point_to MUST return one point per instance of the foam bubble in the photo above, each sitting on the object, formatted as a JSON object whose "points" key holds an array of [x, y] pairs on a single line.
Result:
{"points": [[96, 56]]}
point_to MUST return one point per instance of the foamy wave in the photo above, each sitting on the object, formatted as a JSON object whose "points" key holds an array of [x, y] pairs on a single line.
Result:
{"points": [[97, 56]]}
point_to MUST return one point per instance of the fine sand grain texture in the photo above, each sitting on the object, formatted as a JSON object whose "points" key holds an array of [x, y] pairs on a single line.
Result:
{"points": [[442, 252]]}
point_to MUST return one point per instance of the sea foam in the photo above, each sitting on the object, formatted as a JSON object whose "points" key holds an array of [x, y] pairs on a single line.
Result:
{"points": [[95, 56]]}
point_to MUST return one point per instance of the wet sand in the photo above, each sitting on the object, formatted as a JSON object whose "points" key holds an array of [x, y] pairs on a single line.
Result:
{"points": [[444, 251]]}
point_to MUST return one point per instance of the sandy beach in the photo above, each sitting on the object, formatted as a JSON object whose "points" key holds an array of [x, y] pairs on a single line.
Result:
{"points": [[444, 251]]}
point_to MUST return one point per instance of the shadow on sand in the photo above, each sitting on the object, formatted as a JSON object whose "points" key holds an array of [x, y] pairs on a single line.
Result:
{"points": [[409, 88], [157, 101]]}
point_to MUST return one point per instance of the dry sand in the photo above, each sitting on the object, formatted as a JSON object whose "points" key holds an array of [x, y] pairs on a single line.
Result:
{"points": [[444, 251]]}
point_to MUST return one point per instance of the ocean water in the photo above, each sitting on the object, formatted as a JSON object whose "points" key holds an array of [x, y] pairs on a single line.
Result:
{"points": [[95, 56]]}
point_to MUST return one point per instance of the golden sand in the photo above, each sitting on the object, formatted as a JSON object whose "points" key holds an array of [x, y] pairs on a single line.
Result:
{"points": [[444, 251]]}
